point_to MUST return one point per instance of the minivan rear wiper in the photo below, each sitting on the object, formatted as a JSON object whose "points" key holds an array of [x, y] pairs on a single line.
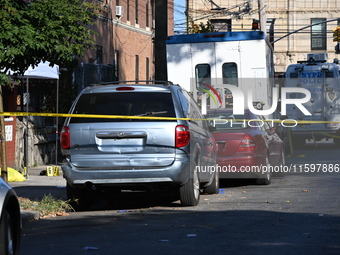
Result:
{"points": [[151, 113]]}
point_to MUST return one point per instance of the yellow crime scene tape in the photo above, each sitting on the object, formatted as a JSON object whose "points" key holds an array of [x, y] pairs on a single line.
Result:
{"points": [[66, 115], [54, 171]]}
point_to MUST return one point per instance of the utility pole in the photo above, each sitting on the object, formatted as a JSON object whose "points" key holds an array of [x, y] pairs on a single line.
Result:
{"points": [[262, 16], [161, 33], [3, 141]]}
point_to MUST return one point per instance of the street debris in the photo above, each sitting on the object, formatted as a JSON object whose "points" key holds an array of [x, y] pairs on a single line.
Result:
{"points": [[87, 248], [191, 235]]}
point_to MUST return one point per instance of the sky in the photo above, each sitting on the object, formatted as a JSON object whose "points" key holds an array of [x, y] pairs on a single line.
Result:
{"points": [[180, 19]]}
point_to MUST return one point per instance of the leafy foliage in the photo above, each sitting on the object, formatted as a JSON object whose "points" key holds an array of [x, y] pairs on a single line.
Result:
{"points": [[201, 28], [46, 30]]}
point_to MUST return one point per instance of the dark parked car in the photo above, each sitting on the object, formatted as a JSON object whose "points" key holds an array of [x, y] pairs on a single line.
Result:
{"points": [[10, 220], [248, 146], [149, 145]]}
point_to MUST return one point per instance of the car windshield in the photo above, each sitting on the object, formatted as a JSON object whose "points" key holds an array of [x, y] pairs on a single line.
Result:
{"points": [[141, 104], [226, 120]]}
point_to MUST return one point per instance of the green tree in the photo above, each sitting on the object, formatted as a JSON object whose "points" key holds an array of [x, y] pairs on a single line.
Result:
{"points": [[200, 28], [41, 30]]}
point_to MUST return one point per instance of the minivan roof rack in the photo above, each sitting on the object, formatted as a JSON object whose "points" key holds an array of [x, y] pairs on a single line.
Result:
{"points": [[136, 82]]}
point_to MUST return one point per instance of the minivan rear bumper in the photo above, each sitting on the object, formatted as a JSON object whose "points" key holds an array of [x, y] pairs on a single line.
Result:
{"points": [[177, 173]]}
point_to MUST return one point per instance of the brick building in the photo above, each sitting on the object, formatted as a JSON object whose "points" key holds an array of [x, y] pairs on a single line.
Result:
{"points": [[124, 42]]}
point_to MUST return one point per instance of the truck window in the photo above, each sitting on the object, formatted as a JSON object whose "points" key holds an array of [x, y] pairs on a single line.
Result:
{"points": [[329, 74], [293, 75], [229, 74], [202, 75]]}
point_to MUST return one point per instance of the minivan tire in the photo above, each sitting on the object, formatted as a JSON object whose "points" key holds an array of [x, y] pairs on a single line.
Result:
{"points": [[190, 192], [214, 187]]}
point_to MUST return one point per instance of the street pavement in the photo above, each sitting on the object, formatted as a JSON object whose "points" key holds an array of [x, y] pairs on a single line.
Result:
{"points": [[296, 214]]}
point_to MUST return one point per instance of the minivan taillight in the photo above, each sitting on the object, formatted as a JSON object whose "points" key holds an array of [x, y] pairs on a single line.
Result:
{"points": [[247, 144], [65, 138], [182, 136]]}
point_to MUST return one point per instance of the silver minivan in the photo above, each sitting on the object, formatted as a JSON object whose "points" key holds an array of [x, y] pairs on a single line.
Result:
{"points": [[138, 136]]}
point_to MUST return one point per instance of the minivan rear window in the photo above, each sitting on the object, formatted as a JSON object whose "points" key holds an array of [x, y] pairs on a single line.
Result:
{"points": [[147, 104]]}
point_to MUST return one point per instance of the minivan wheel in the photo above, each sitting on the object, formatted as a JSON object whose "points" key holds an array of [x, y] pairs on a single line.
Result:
{"points": [[190, 192], [214, 187]]}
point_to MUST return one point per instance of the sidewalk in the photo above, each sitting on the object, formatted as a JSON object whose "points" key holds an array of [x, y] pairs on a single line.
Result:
{"points": [[36, 186]]}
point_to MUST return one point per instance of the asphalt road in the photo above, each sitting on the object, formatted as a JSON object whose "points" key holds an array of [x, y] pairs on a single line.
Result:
{"points": [[296, 214]]}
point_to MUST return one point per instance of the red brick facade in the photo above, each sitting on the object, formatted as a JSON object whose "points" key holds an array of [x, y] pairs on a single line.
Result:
{"points": [[126, 41]]}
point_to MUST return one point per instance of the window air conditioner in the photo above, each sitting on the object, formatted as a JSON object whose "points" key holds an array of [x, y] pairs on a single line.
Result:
{"points": [[119, 11]]}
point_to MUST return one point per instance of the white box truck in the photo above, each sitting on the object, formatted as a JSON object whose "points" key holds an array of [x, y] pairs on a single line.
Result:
{"points": [[205, 63]]}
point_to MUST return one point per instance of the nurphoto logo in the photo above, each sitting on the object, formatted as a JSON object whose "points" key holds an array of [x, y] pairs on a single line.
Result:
{"points": [[238, 100]]}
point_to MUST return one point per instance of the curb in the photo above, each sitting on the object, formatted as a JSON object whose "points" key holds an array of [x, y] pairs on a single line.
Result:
{"points": [[28, 216]]}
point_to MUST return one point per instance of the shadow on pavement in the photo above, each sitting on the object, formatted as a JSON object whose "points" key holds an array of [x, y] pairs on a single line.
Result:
{"points": [[185, 231]]}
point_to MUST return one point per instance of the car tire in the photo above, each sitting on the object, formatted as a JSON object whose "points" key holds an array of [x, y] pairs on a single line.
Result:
{"points": [[8, 242], [190, 192], [79, 198], [266, 177], [281, 165], [214, 187]]}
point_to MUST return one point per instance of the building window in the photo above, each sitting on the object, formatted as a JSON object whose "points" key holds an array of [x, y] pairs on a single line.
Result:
{"points": [[116, 65], [221, 25], [136, 14], [147, 70], [128, 10], [137, 68], [147, 13], [318, 34], [99, 54]]}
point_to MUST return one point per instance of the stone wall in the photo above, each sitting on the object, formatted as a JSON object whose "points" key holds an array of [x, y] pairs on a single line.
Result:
{"points": [[41, 142]]}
